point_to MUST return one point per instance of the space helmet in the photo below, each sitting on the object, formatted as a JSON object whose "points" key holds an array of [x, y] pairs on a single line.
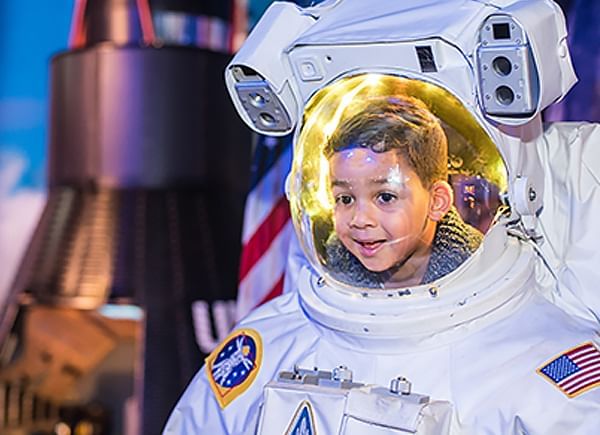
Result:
{"points": [[394, 182], [411, 122]]}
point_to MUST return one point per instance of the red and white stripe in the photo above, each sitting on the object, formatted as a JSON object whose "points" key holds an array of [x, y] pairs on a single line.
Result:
{"points": [[77, 31], [587, 358], [265, 239]]}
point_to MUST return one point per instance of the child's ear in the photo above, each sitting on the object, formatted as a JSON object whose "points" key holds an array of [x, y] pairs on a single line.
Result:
{"points": [[440, 201]]}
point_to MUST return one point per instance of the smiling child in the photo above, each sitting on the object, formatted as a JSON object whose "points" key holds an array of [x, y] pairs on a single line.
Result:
{"points": [[395, 224]]}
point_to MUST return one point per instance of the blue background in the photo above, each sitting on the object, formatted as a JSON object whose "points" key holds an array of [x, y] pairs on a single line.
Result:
{"points": [[31, 32]]}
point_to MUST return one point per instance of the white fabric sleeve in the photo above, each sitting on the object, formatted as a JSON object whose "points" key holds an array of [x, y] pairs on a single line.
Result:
{"points": [[197, 411], [570, 154]]}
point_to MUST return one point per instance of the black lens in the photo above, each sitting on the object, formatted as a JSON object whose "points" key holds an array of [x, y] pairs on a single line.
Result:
{"points": [[502, 66], [501, 31], [505, 95]]}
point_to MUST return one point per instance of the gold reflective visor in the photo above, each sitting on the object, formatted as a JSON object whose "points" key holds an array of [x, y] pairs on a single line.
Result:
{"points": [[472, 155]]}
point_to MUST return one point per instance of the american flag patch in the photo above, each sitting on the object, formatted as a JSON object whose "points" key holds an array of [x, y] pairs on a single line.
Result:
{"points": [[575, 371]]}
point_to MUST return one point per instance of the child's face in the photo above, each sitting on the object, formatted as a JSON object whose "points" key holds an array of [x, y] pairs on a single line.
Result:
{"points": [[381, 207]]}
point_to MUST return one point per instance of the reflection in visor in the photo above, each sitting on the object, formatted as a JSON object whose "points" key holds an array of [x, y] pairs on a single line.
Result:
{"points": [[370, 189], [476, 199]]}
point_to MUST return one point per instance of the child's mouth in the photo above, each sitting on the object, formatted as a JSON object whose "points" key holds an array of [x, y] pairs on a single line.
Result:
{"points": [[369, 248]]}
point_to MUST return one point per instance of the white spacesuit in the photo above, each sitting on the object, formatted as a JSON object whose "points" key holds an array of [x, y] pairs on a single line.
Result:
{"points": [[485, 336]]}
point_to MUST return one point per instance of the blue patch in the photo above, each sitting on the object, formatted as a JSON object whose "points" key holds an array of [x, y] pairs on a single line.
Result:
{"points": [[303, 421], [234, 362]]}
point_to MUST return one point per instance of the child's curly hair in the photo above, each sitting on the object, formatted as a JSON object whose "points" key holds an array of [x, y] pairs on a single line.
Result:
{"points": [[397, 123]]}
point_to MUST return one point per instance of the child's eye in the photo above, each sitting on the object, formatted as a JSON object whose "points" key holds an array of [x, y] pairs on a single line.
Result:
{"points": [[344, 199], [386, 197]]}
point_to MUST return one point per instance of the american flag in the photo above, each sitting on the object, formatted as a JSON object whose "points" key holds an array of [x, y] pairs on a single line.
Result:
{"points": [[574, 371], [267, 225]]}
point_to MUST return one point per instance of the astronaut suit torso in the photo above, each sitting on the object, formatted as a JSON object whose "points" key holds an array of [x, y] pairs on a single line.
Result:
{"points": [[486, 356], [507, 342]]}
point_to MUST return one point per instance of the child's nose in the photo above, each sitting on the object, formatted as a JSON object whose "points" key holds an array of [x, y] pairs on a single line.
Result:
{"points": [[363, 216]]}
